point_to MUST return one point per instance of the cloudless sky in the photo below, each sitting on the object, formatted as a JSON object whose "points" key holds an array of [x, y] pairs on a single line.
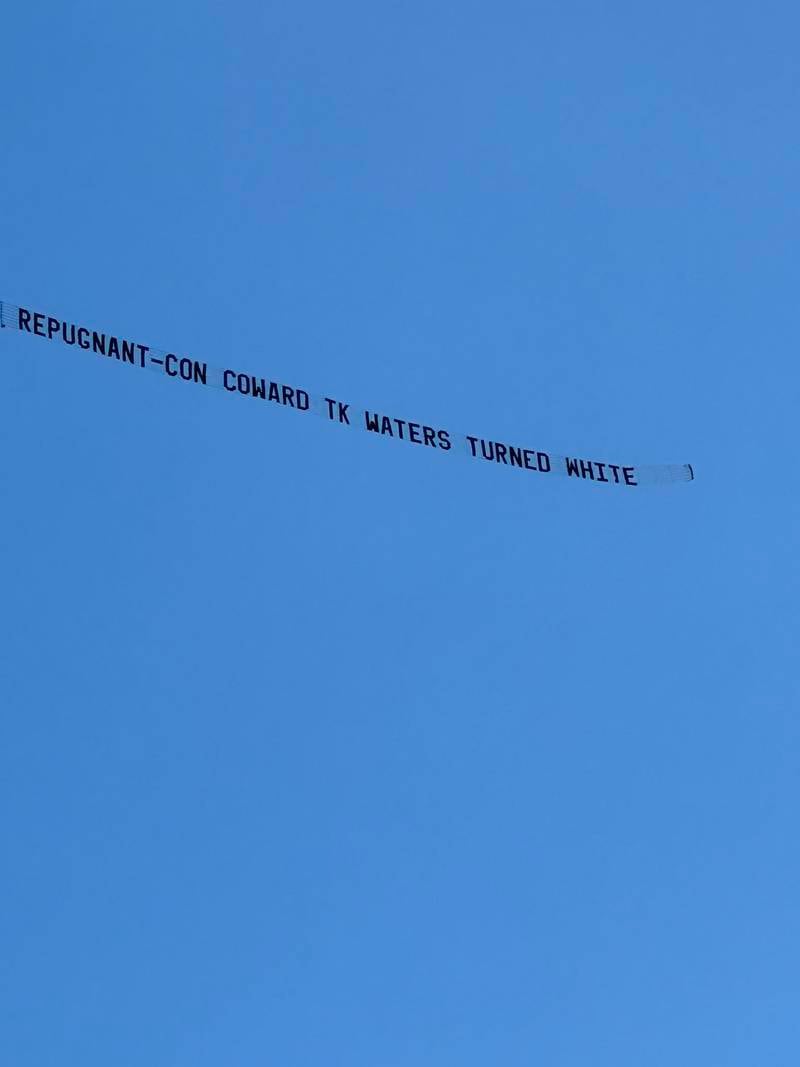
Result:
{"points": [[324, 749]]}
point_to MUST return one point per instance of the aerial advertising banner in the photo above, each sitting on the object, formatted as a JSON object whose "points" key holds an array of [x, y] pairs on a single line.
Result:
{"points": [[184, 369]]}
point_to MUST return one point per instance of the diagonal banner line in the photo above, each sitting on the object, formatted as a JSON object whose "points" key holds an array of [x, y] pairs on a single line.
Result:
{"points": [[185, 369]]}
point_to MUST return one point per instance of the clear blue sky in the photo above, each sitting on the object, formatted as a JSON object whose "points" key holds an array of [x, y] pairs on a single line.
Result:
{"points": [[319, 749]]}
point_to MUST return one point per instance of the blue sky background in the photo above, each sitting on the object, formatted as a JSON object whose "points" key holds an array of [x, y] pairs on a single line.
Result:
{"points": [[318, 749]]}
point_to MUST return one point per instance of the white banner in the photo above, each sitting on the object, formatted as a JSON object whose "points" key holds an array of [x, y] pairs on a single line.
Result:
{"points": [[232, 379]]}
